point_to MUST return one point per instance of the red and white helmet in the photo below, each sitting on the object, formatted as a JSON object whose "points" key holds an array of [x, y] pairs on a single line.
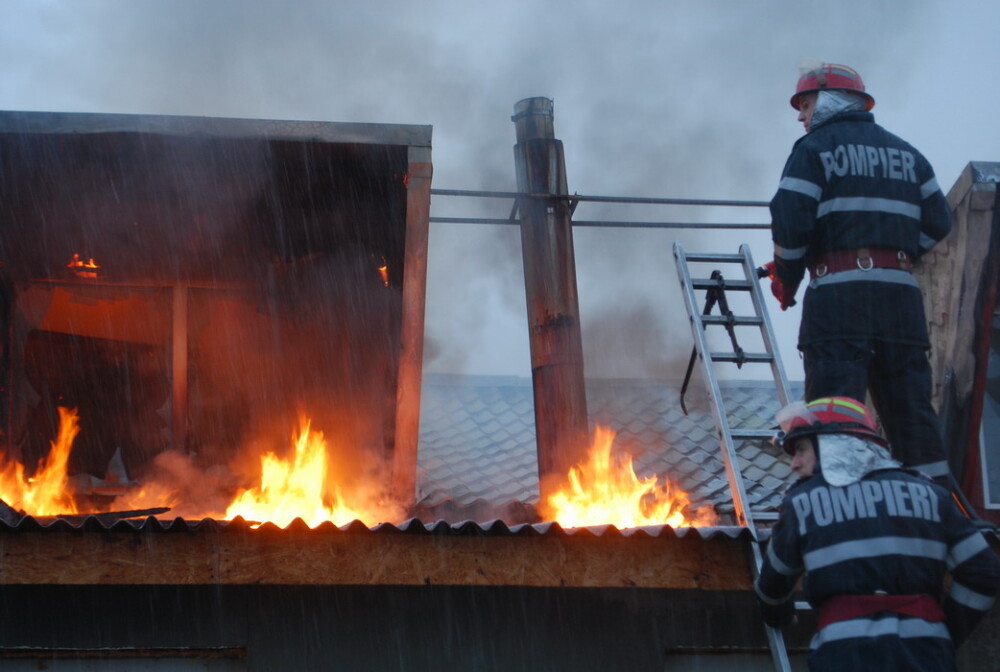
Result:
{"points": [[831, 76], [829, 415]]}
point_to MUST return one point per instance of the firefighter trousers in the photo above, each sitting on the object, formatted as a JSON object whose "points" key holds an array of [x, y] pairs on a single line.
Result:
{"points": [[899, 379]]}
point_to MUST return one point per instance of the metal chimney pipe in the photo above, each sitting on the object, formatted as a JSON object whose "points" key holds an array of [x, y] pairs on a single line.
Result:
{"points": [[550, 287]]}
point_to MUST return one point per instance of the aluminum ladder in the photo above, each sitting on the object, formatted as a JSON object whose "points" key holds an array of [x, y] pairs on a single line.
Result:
{"points": [[715, 288]]}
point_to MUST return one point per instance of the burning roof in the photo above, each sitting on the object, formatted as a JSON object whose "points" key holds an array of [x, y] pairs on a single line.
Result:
{"points": [[224, 317]]}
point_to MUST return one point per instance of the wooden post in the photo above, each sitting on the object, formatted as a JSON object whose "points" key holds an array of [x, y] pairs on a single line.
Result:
{"points": [[179, 368], [550, 288], [408, 376]]}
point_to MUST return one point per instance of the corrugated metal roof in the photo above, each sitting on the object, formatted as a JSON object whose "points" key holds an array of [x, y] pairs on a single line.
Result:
{"points": [[496, 528], [477, 468]]}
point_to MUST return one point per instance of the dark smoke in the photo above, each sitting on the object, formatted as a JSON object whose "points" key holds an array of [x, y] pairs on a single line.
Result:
{"points": [[651, 99]]}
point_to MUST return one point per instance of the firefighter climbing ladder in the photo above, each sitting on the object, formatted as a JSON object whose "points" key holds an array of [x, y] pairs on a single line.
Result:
{"points": [[715, 288]]}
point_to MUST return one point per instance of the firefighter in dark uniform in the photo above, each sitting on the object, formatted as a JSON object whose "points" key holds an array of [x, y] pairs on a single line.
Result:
{"points": [[875, 542], [856, 206]]}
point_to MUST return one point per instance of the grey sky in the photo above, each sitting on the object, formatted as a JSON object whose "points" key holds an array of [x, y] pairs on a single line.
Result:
{"points": [[672, 99]]}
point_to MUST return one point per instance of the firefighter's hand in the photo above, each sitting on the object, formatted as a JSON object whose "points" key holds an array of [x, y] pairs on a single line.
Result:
{"points": [[785, 294]]}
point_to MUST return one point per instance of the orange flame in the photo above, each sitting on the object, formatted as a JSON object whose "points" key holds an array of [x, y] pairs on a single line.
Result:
{"points": [[295, 488], [81, 268], [601, 492], [383, 271], [45, 493], [288, 489]]}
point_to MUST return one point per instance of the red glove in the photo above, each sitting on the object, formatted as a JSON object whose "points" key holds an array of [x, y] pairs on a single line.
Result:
{"points": [[782, 292]]}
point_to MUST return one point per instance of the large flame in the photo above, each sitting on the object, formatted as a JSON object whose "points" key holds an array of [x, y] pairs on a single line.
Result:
{"points": [[295, 487], [298, 487], [603, 491], [45, 493]]}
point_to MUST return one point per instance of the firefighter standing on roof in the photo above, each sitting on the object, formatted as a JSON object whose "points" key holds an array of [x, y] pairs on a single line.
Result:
{"points": [[875, 542], [856, 206]]}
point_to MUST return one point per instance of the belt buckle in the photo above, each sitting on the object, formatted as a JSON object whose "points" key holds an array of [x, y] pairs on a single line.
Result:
{"points": [[870, 266], [821, 270]]}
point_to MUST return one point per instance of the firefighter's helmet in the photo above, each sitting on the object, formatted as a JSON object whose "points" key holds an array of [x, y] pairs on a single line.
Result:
{"points": [[831, 76], [829, 415]]}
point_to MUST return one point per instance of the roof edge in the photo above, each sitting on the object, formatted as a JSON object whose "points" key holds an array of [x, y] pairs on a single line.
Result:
{"points": [[29, 122]]}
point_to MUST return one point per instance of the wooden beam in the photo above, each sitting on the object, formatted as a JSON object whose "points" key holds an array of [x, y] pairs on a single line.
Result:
{"points": [[180, 365], [269, 556], [409, 373]]}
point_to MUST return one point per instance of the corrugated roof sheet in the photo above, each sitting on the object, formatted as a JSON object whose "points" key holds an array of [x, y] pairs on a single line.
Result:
{"points": [[477, 468], [497, 528]]}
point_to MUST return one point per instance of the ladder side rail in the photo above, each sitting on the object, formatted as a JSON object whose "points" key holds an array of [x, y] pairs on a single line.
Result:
{"points": [[729, 457], [766, 328], [775, 638], [776, 641]]}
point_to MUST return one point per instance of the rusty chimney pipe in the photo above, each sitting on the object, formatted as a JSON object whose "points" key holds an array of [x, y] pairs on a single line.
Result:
{"points": [[550, 286]]}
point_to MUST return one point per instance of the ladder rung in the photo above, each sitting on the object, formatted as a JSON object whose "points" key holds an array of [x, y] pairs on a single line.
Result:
{"points": [[742, 320], [765, 516], [747, 434], [708, 283], [755, 357], [727, 258]]}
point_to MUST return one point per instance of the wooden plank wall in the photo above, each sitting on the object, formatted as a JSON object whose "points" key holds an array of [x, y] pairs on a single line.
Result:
{"points": [[299, 556], [959, 278]]}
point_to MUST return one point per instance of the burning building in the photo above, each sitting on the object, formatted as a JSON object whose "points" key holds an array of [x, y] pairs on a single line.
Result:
{"points": [[193, 287], [179, 297]]}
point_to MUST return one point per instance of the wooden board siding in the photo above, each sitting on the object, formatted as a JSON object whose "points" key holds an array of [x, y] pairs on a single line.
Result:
{"points": [[310, 557]]}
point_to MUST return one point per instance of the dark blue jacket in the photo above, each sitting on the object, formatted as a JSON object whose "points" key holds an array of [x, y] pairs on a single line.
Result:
{"points": [[894, 532], [850, 184]]}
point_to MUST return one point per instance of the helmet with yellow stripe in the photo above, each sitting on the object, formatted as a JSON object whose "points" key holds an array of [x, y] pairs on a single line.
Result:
{"points": [[828, 415]]}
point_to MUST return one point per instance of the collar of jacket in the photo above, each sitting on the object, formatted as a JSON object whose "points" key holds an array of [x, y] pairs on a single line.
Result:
{"points": [[855, 115]]}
